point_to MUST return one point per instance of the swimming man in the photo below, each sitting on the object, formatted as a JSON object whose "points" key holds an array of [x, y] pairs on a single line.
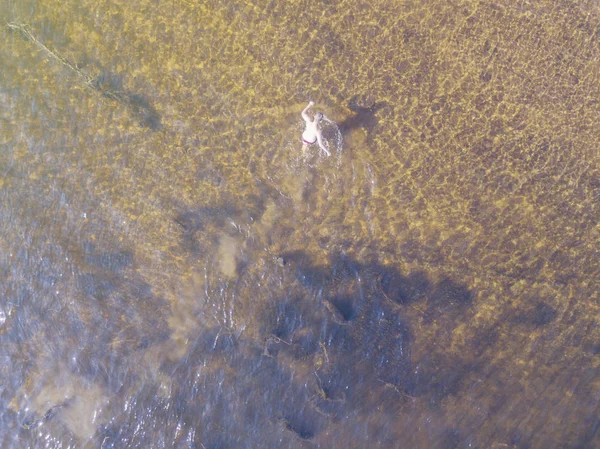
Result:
{"points": [[312, 133]]}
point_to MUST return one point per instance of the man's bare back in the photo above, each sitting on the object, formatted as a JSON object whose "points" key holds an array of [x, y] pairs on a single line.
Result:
{"points": [[312, 132]]}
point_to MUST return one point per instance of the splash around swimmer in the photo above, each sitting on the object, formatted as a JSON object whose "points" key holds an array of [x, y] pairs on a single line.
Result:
{"points": [[312, 132]]}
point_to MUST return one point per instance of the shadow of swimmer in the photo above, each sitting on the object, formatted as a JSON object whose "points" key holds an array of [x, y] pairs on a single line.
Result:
{"points": [[363, 117]]}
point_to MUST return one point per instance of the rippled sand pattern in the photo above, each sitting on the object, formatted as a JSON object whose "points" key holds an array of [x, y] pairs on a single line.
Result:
{"points": [[178, 274]]}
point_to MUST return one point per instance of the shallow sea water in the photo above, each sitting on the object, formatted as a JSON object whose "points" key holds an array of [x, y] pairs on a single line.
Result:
{"points": [[177, 274]]}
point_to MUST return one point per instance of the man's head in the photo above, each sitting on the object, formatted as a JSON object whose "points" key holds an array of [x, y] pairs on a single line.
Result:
{"points": [[319, 117]]}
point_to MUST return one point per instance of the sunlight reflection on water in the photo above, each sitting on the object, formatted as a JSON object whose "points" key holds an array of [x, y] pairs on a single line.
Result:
{"points": [[175, 273]]}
